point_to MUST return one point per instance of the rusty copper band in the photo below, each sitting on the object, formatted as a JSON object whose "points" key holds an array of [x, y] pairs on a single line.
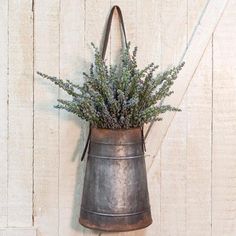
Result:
{"points": [[116, 157], [115, 214], [116, 144]]}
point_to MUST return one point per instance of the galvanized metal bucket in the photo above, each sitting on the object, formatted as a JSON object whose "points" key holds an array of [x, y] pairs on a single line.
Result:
{"points": [[115, 195]]}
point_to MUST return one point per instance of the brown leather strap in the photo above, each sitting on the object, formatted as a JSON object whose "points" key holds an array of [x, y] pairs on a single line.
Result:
{"points": [[108, 29], [143, 140], [86, 145], [104, 48]]}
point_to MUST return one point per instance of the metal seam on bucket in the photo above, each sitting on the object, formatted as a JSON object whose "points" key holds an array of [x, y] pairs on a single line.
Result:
{"points": [[115, 214], [115, 144], [115, 157]]}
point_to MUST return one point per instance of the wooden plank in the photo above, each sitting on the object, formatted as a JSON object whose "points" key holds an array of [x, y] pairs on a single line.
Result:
{"points": [[20, 113], [3, 111], [224, 126], [95, 27], [46, 127], [198, 167], [149, 47], [154, 187], [173, 149], [173, 177], [3, 232], [148, 32], [195, 10], [149, 44], [72, 137], [20, 232], [192, 56]]}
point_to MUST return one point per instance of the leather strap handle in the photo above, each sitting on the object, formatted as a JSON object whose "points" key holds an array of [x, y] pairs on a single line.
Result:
{"points": [[108, 28], [86, 145], [104, 48]]}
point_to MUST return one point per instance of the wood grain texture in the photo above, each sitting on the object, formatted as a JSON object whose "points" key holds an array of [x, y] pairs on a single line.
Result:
{"points": [[173, 177], [3, 111], [3, 232], [191, 177], [199, 115], [224, 126], [20, 140], [19, 232], [191, 55], [46, 128], [71, 127], [173, 149], [198, 163], [149, 50]]}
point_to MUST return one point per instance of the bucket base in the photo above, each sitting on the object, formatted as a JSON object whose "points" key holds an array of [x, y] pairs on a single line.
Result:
{"points": [[115, 223]]}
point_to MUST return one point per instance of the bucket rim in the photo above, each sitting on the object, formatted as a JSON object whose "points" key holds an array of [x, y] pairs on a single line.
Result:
{"points": [[117, 129]]}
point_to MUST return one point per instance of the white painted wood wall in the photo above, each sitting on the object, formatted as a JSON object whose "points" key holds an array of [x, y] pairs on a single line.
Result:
{"points": [[191, 171]]}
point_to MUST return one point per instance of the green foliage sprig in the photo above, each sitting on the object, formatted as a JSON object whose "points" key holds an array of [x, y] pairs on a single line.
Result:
{"points": [[120, 96]]}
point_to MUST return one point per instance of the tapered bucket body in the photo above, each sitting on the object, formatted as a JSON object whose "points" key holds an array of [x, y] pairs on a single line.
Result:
{"points": [[115, 195]]}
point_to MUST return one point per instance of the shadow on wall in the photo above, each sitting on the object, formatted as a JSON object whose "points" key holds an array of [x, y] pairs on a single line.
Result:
{"points": [[77, 153]]}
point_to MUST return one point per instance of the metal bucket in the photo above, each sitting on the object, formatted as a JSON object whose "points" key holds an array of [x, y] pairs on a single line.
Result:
{"points": [[115, 195]]}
